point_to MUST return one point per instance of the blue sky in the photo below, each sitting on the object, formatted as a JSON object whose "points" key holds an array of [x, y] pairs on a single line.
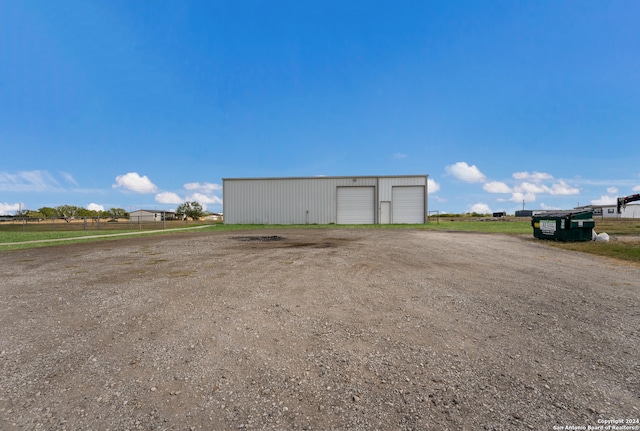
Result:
{"points": [[146, 104]]}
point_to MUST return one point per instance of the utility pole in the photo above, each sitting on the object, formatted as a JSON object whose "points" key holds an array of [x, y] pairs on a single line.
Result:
{"points": [[20, 215]]}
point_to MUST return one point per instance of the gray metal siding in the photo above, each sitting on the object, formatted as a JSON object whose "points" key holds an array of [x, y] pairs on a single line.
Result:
{"points": [[284, 200], [385, 193], [299, 200]]}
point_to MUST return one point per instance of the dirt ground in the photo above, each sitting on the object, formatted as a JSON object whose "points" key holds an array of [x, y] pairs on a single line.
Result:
{"points": [[317, 329]]}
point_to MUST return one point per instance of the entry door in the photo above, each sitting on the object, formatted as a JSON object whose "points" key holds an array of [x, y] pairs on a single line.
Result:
{"points": [[385, 212], [356, 205], [408, 204]]}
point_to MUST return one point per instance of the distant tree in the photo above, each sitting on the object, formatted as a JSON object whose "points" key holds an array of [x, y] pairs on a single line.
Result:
{"points": [[34, 214], [68, 212], [48, 212], [116, 213], [190, 209], [84, 212]]}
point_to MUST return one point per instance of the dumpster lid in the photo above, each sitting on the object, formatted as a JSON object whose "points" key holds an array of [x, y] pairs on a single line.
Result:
{"points": [[565, 214]]}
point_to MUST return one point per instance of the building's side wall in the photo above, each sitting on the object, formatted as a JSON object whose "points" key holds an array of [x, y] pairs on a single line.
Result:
{"points": [[610, 212], [386, 185], [143, 216], [284, 200], [631, 211]]}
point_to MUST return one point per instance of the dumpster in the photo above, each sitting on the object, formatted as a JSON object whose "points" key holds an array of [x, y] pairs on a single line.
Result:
{"points": [[564, 225]]}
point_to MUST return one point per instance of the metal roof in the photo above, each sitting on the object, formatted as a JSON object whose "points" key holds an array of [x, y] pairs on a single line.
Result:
{"points": [[326, 176]]}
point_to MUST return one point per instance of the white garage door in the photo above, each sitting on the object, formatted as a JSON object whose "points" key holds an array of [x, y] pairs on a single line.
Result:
{"points": [[408, 204], [356, 205]]}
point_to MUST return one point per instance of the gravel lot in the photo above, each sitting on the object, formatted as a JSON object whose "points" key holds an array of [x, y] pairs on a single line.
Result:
{"points": [[317, 329]]}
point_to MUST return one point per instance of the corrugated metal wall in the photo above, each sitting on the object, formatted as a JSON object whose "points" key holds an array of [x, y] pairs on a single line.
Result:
{"points": [[307, 200]]}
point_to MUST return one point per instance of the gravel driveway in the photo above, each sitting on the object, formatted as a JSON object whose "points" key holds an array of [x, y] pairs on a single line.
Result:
{"points": [[317, 329]]}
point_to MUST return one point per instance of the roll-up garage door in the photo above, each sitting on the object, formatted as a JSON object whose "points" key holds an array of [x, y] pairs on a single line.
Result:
{"points": [[408, 204], [356, 205]]}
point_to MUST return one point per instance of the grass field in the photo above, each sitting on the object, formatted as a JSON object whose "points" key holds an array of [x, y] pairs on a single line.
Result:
{"points": [[14, 235], [628, 250], [622, 228]]}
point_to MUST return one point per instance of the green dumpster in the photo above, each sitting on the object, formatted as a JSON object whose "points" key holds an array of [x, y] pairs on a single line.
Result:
{"points": [[564, 225]]}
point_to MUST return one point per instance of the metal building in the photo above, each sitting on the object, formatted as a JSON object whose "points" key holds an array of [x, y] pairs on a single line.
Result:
{"points": [[324, 200], [140, 216]]}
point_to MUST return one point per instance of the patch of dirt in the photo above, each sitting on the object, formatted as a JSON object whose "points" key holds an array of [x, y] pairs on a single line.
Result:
{"points": [[318, 329], [259, 238], [626, 238]]}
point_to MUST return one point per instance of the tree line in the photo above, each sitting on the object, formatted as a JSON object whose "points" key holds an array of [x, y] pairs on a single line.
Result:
{"points": [[71, 212], [191, 209]]}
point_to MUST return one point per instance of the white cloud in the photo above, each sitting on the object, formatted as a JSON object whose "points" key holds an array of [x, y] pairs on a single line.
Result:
{"points": [[466, 173], [399, 155], [134, 182], [496, 187], [519, 197], [546, 207], [534, 176], [480, 208], [168, 198], [562, 188], [527, 191], [206, 187], [204, 199], [28, 181], [6, 209], [201, 193], [432, 186], [532, 188], [95, 207], [69, 178], [636, 189], [612, 190], [605, 200]]}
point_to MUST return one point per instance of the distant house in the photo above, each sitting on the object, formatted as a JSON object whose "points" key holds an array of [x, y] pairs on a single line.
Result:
{"points": [[214, 217], [140, 216], [610, 211], [528, 213], [603, 211]]}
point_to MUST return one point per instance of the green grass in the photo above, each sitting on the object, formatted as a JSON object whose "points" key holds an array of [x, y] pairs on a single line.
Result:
{"points": [[618, 226], [11, 234], [15, 236], [628, 251], [506, 226]]}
